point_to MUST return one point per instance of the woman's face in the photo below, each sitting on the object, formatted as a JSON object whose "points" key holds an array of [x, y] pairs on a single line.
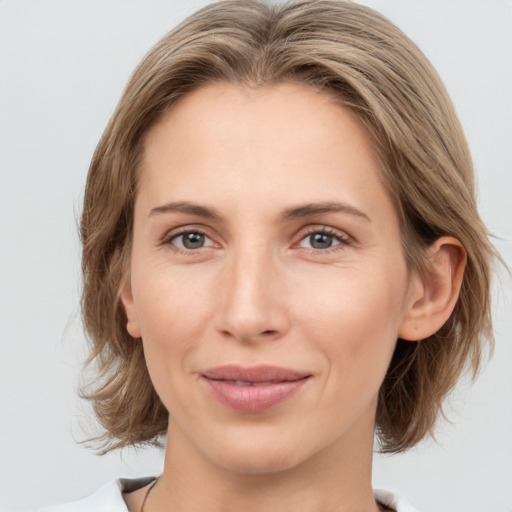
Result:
{"points": [[267, 277]]}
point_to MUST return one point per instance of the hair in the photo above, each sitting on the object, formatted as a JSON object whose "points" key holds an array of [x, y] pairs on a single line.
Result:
{"points": [[366, 64]]}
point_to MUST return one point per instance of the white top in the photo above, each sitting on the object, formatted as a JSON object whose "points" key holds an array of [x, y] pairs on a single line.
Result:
{"points": [[109, 498]]}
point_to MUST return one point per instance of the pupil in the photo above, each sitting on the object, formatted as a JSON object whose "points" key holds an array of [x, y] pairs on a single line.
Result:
{"points": [[193, 240], [321, 241]]}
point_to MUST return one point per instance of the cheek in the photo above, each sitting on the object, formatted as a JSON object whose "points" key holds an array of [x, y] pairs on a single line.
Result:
{"points": [[355, 319], [170, 317], [169, 304], [172, 311]]}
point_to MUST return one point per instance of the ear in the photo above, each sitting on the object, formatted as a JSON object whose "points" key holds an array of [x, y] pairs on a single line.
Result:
{"points": [[432, 298], [126, 297]]}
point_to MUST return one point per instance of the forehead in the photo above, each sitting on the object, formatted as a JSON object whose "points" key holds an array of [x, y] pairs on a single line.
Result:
{"points": [[226, 111], [286, 142]]}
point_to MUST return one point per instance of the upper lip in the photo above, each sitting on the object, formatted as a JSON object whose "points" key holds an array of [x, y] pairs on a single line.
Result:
{"points": [[259, 373]]}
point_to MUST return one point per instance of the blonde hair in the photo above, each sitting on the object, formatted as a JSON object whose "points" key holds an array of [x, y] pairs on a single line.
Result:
{"points": [[367, 64]]}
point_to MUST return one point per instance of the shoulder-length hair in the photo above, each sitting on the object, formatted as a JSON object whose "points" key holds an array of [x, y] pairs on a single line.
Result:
{"points": [[366, 64]]}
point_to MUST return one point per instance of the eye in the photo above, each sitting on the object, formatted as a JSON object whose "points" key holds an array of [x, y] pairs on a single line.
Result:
{"points": [[189, 240], [324, 238]]}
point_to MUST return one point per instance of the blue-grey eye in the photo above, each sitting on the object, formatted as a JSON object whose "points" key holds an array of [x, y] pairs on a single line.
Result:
{"points": [[193, 240], [190, 240], [320, 240]]}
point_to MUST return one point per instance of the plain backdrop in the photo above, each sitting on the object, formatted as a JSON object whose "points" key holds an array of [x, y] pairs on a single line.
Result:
{"points": [[62, 69]]}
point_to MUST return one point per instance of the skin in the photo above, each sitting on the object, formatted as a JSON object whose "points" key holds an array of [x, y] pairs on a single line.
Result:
{"points": [[261, 291]]}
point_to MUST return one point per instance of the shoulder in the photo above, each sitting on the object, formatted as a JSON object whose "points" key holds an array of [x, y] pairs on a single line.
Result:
{"points": [[393, 501], [108, 498]]}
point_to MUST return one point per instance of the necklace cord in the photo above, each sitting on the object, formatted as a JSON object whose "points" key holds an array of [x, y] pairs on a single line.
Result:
{"points": [[155, 481]]}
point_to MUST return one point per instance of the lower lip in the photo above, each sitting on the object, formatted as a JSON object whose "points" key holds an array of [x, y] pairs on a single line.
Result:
{"points": [[254, 398]]}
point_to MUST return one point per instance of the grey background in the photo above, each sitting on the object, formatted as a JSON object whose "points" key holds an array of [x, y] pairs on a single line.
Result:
{"points": [[63, 65]]}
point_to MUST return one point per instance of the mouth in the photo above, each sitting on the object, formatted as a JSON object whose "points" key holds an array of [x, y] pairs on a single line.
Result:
{"points": [[253, 389]]}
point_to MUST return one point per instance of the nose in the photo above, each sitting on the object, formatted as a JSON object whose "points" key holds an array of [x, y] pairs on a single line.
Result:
{"points": [[251, 304]]}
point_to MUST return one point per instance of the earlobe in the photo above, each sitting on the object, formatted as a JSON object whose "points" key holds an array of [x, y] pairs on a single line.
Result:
{"points": [[126, 296], [433, 296]]}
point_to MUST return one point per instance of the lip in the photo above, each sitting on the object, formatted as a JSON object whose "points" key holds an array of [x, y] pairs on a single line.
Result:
{"points": [[253, 389]]}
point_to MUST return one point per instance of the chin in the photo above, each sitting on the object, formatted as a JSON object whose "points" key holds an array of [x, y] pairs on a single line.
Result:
{"points": [[257, 464], [259, 455]]}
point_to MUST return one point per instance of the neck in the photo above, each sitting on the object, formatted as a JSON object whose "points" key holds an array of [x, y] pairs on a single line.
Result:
{"points": [[334, 479]]}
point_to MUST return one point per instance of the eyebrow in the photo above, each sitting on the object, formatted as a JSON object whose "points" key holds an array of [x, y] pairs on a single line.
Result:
{"points": [[186, 207], [296, 212], [311, 209]]}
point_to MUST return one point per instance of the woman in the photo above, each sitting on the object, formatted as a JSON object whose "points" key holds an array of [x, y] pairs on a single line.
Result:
{"points": [[282, 255]]}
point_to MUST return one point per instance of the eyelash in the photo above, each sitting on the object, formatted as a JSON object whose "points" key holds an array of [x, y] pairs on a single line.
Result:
{"points": [[170, 237], [343, 239]]}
